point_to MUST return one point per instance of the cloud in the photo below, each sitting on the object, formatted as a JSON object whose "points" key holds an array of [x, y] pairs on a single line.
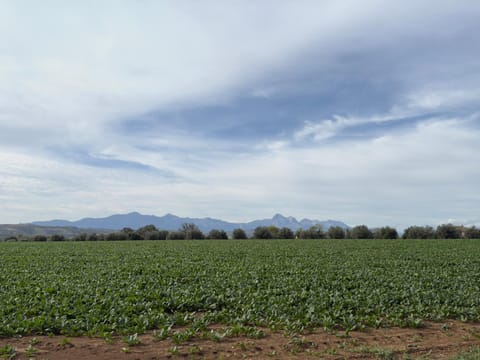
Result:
{"points": [[239, 110]]}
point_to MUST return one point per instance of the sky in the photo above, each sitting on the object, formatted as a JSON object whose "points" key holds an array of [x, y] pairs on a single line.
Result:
{"points": [[365, 112]]}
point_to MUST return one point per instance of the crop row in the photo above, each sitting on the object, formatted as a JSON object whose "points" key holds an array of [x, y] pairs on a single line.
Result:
{"points": [[130, 287]]}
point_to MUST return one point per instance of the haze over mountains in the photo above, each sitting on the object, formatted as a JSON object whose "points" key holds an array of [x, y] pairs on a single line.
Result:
{"points": [[135, 220]]}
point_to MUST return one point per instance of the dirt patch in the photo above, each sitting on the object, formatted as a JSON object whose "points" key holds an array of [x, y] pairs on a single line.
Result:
{"points": [[434, 341]]}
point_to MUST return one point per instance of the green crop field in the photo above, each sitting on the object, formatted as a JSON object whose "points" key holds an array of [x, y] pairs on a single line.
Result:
{"points": [[128, 287]]}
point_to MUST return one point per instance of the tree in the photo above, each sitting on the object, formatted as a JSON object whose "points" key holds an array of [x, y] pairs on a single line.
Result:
{"points": [[217, 234], [156, 235], [40, 238], [274, 231], [471, 233], [285, 233], [117, 236], [127, 230], [336, 232], [239, 234], [419, 232], [135, 236], [80, 237], [448, 231], [361, 232], [313, 232], [192, 232], [386, 232], [146, 229], [176, 235], [57, 237], [262, 232], [92, 237]]}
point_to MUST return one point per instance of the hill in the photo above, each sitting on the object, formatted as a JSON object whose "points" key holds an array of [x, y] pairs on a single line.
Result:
{"points": [[135, 220], [15, 230]]}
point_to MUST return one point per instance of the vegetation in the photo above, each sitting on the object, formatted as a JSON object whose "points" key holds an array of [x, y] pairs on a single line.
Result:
{"points": [[192, 232], [129, 287], [361, 232], [239, 234]]}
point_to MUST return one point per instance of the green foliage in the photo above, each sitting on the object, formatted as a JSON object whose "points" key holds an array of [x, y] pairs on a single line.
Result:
{"points": [[118, 236], [128, 287], [156, 235], [192, 232], [471, 233], [361, 232], [472, 354], [41, 238], [448, 231], [57, 237], [262, 232], [419, 232], [285, 233], [239, 234], [132, 340], [386, 232], [336, 232], [314, 232], [176, 235], [8, 352], [217, 235]]}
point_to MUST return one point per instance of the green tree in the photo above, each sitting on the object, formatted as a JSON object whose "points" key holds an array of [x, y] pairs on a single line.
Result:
{"points": [[336, 232], [419, 232], [471, 233], [41, 238], [57, 237], [361, 232], [285, 233], [81, 237], [239, 234], [117, 236], [92, 237], [262, 232], [192, 232], [313, 232], [386, 232], [217, 234], [274, 231], [156, 235], [448, 231], [176, 235], [146, 229]]}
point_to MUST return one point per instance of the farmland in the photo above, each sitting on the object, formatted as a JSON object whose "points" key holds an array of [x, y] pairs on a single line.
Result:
{"points": [[131, 287]]}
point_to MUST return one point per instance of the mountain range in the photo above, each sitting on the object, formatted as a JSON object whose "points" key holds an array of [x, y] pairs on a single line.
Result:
{"points": [[136, 220]]}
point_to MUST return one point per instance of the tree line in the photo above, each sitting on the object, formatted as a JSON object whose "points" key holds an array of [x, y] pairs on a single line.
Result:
{"points": [[192, 232]]}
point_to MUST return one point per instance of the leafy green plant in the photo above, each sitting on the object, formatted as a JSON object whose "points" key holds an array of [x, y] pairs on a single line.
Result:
{"points": [[8, 352], [472, 354], [34, 341], [162, 334], [132, 340], [65, 343], [130, 287], [30, 351]]}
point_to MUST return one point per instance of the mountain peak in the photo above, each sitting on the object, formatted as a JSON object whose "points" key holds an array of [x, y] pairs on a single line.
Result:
{"points": [[169, 221]]}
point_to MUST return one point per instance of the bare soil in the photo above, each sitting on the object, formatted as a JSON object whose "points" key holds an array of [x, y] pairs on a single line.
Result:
{"points": [[434, 341]]}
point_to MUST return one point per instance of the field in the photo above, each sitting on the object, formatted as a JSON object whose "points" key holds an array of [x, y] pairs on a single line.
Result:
{"points": [[247, 288]]}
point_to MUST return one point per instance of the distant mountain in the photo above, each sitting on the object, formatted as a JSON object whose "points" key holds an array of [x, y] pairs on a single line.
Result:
{"points": [[16, 230], [135, 220]]}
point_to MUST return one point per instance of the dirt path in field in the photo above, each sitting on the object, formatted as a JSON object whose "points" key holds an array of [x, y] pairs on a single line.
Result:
{"points": [[434, 341]]}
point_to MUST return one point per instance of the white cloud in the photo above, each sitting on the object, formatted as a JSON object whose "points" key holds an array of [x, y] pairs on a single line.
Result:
{"points": [[69, 71]]}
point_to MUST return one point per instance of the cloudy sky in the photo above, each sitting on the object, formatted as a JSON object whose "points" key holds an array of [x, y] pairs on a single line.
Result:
{"points": [[365, 112]]}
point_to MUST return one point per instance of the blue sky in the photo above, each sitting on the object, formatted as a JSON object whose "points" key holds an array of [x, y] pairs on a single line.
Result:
{"points": [[240, 110]]}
